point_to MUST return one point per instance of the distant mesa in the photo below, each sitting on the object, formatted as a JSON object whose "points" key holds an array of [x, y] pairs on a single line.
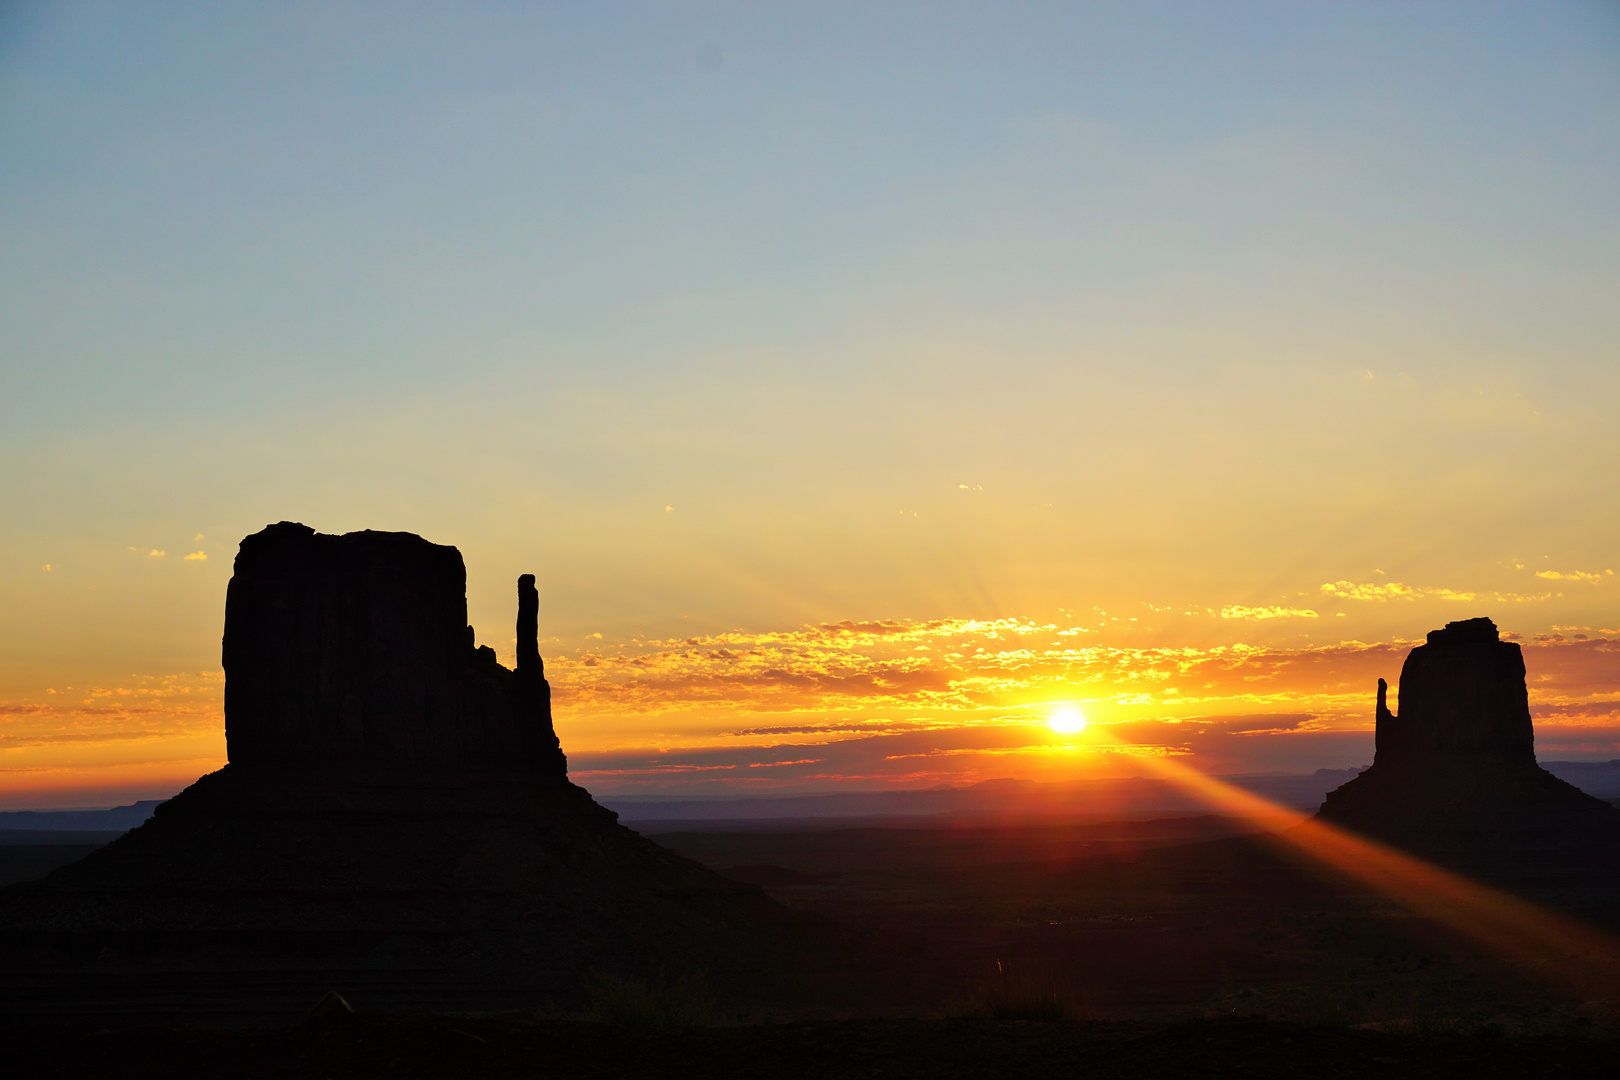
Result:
{"points": [[395, 819], [1455, 771]]}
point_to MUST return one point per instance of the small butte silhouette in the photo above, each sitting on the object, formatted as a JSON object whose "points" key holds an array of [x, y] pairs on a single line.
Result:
{"points": [[1454, 775], [395, 819]]}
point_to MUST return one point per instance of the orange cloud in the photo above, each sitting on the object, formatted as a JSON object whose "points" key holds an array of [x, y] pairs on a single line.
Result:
{"points": [[1391, 590], [148, 707], [1238, 611], [1395, 590], [930, 670]]}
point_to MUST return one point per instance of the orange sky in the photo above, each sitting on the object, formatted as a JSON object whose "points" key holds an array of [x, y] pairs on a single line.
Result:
{"points": [[862, 704]]}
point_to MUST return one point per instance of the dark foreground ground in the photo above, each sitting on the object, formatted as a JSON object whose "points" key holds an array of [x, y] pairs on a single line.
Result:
{"points": [[421, 1047], [1139, 949]]}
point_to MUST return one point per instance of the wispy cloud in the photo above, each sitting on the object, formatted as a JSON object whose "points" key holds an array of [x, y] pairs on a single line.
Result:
{"points": [[1390, 590], [927, 670], [145, 707], [1238, 611], [1572, 575], [1394, 590]]}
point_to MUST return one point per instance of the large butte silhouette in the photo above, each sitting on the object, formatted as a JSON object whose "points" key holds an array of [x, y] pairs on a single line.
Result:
{"points": [[1454, 774], [395, 818]]}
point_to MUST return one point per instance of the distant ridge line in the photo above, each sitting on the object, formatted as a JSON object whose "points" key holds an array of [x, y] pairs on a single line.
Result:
{"points": [[1599, 778]]}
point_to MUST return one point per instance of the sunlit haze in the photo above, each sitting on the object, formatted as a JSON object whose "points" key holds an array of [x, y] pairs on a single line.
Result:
{"points": [[1067, 720], [883, 395]]}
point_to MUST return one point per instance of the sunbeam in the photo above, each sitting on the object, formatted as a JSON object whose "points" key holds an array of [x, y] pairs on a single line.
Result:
{"points": [[1535, 939]]}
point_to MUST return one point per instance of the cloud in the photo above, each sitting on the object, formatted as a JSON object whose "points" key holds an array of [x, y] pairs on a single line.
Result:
{"points": [[1395, 590], [843, 682], [1579, 709], [923, 669], [1237, 611], [1573, 575], [878, 628], [147, 707], [835, 727], [197, 556]]}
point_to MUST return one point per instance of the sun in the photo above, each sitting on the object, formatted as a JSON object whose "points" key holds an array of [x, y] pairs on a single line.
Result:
{"points": [[1067, 720]]}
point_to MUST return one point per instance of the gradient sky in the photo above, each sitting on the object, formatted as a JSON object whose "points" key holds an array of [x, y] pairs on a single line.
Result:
{"points": [[860, 381]]}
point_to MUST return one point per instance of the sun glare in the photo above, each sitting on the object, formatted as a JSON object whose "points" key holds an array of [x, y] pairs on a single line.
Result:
{"points": [[1067, 720]]}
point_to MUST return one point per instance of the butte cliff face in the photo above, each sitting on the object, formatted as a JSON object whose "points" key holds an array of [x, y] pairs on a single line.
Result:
{"points": [[395, 818], [1455, 771], [1463, 700], [352, 653]]}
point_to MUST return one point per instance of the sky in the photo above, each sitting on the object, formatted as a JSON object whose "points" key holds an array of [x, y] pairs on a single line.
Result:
{"points": [[862, 382]]}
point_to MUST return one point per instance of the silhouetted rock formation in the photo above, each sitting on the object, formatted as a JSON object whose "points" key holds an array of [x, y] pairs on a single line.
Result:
{"points": [[353, 653], [395, 819], [1463, 699], [1455, 772]]}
